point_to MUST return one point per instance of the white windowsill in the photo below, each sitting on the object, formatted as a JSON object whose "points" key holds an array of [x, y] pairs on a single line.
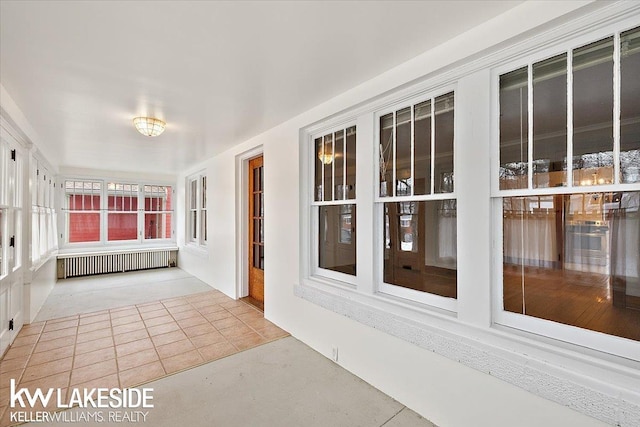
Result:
{"points": [[195, 249]]}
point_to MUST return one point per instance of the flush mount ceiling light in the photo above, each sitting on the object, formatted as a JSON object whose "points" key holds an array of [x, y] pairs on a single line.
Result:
{"points": [[149, 126]]}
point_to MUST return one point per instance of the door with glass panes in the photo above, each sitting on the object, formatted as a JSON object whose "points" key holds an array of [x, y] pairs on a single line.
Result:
{"points": [[256, 229]]}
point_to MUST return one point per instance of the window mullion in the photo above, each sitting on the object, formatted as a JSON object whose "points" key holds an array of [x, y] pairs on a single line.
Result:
{"points": [[530, 125], [333, 166], [395, 127], [413, 132], [344, 164], [570, 119], [616, 108], [433, 145]]}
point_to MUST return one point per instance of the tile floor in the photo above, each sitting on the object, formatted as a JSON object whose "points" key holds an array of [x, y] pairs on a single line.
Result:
{"points": [[128, 346]]}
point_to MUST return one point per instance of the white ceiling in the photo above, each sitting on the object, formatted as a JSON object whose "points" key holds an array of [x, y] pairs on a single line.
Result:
{"points": [[217, 72]]}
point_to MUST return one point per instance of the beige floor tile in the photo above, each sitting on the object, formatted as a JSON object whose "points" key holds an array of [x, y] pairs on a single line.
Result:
{"points": [[13, 364], [110, 381], [155, 313], [48, 356], [46, 369], [123, 313], [125, 309], [235, 331], [175, 348], [94, 313], [174, 302], [257, 323], [26, 340], [246, 308], [206, 302], [227, 323], [93, 371], [62, 319], [163, 329], [194, 331], [154, 321], [93, 327], [60, 325], [47, 336], [186, 314], [31, 329], [218, 315], [141, 374], [129, 327], [53, 344], [90, 346], [182, 361], [133, 347], [94, 335], [96, 356], [272, 332], [125, 320], [244, 342], [154, 306], [18, 352], [217, 350], [60, 380], [130, 336], [231, 303], [208, 339], [5, 382], [211, 309], [168, 338], [137, 359], [93, 319], [192, 321], [180, 308]]}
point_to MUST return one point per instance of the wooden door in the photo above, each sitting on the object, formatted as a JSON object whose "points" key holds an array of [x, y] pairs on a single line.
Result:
{"points": [[256, 229]]}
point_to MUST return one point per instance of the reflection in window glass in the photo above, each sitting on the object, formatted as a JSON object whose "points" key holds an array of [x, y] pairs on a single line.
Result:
{"points": [[421, 246], [386, 155], [593, 113], [404, 180], [444, 143], [337, 243], [574, 259], [335, 166], [550, 122], [514, 129], [630, 106], [422, 148]]}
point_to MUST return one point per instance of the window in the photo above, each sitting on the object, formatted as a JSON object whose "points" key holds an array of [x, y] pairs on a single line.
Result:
{"points": [[43, 216], [157, 212], [568, 191], [334, 202], [122, 215], [131, 212], [197, 209], [416, 196]]}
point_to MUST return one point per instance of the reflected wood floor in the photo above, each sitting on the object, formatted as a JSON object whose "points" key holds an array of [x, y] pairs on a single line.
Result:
{"points": [[570, 297]]}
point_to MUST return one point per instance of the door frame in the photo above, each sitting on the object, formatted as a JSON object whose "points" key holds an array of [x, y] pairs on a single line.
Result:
{"points": [[242, 225]]}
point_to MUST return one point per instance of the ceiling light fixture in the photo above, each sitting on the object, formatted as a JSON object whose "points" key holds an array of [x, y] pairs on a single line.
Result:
{"points": [[149, 126]]}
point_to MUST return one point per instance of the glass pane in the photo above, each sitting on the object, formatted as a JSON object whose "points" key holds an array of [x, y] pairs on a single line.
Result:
{"points": [[122, 226], [257, 231], [328, 158], [337, 242], [593, 113], [203, 225], [444, 144], [1, 251], [420, 249], [404, 180], [514, 129], [261, 257], [351, 162], [574, 259], [194, 222], [339, 165], [256, 255], [257, 204], [550, 122], [318, 170], [204, 192], [193, 196], [422, 149], [386, 155], [84, 227], [630, 106]]}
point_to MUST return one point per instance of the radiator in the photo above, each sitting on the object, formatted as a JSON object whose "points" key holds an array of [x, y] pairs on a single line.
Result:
{"points": [[99, 263]]}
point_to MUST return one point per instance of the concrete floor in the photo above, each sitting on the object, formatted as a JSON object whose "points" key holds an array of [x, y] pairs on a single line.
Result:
{"points": [[282, 383]]}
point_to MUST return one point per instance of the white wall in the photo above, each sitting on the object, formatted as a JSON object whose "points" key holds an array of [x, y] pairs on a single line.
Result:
{"points": [[38, 288], [445, 391]]}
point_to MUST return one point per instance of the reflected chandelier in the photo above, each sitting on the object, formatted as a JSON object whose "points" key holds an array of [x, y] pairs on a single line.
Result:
{"points": [[149, 126]]}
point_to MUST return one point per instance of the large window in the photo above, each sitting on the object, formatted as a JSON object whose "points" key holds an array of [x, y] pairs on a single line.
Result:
{"points": [[197, 209], [98, 211], [416, 194], [43, 215], [569, 189], [334, 201]]}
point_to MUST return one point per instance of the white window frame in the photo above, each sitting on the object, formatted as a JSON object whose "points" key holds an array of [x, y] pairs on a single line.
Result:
{"points": [[448, 304], [103, 242], [605, 343], [314, 206], [200, 198]]}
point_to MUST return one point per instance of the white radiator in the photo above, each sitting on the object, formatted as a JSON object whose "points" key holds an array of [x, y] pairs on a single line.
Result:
{"points": [[113, 262]]}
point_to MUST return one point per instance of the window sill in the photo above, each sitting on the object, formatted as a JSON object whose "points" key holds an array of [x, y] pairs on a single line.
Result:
{"points": [[591, 383], [69, 252]]}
